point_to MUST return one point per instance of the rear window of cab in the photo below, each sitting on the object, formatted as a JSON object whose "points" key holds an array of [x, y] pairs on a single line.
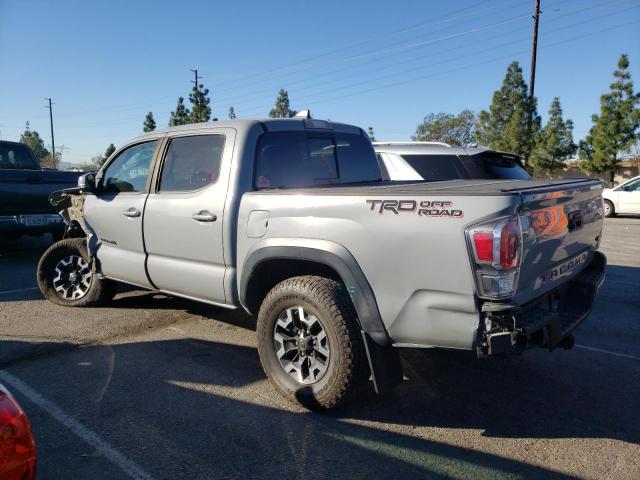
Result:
{"points": [[307, 159]]}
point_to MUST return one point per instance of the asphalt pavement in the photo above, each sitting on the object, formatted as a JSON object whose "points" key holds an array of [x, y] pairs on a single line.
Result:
{"points": [[159, 387]]}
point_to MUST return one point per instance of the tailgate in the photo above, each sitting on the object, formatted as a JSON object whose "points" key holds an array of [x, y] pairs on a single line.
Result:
{"points": [[27, 191], [561, 227]]}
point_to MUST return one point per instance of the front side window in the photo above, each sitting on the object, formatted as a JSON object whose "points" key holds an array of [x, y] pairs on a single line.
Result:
{"points": [[191, 163], [307, 159], [129, 171], [632, 186]]}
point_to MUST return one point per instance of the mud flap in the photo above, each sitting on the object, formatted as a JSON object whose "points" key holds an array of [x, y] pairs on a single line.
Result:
{"points": [[385, 365]]}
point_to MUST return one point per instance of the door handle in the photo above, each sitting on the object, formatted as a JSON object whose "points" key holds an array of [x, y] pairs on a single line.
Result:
{"points": [[204, 216], [131, 212]]}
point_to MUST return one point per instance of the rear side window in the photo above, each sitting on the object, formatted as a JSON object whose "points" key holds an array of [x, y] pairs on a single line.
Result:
{"points": [[493, 165], [436, 167], [191, 163], [16, 156], [305, 159]]}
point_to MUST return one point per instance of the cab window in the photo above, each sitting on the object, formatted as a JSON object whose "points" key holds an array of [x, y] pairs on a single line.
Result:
{"points": [[129, 171], [191, 163]]}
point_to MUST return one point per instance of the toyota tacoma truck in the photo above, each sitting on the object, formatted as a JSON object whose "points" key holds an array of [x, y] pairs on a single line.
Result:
{"points": [[24, 193], [289, 220]]}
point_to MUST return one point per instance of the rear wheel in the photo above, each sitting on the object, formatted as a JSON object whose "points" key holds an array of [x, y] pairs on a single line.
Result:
{"points": [[309, 342], [609, 211], [65, 276]]}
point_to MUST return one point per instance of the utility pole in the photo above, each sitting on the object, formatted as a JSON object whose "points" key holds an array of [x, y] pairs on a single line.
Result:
{"points": [[195, 82], [53, 143], [534, 50]]}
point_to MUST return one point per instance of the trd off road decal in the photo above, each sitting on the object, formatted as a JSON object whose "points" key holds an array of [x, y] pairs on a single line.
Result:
{"points": [[425, 208]]}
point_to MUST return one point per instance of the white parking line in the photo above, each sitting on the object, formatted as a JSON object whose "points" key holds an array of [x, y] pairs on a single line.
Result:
{"points": [[19, 290], [608, 352], [102, 447]]}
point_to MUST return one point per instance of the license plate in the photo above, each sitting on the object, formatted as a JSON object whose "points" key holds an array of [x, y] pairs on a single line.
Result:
{"points": [[39, 220]]}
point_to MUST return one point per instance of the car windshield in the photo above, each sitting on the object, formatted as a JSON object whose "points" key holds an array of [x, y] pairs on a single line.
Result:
{"points": [[13, 155]]}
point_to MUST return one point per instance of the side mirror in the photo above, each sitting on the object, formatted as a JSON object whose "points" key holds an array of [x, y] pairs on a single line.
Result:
{"points": [[87, 182]]}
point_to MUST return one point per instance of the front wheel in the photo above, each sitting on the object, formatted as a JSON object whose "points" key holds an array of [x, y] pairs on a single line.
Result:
{"points": [[309, 342], [609, 211], [65, 276]]}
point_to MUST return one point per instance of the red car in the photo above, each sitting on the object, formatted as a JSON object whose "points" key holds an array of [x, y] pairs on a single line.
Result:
{"points": [[17, 446]]}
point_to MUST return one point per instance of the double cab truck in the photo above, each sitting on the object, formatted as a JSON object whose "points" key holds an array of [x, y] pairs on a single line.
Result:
{"points": [[290, 220], [24, 193]]}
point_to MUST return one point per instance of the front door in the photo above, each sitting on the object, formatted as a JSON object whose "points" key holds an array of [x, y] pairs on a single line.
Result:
{"points": [[115, 213], [629, 197], [183, 216]]}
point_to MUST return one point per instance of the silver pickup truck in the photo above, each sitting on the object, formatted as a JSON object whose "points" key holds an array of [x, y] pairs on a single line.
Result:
{"points": [[289, 220]]}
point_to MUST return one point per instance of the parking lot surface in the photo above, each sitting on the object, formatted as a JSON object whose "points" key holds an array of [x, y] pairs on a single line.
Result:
{"points": [[159, 387]]}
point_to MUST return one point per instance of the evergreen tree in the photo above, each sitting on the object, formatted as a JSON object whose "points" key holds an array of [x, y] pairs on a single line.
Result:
{"points": [[615, 130], [505, 126], [372, 137], [457, 130], [281, 108], [181, 115], [200, 104], [32, 139], [554, 143], [149, 124], [107, 153], [232, 113]]}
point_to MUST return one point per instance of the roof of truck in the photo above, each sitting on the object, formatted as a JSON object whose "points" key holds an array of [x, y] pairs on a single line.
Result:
{"points": [[269, 124]]}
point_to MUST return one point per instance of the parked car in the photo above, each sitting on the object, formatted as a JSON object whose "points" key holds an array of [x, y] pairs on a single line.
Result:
{"points": [[434, 161], [24, 193], [624, 198], [289, 219], [17, 446]]}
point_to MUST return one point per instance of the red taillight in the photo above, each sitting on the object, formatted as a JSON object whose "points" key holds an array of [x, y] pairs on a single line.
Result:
{"points": [[17, 447], [510, 245], [483, 243]]}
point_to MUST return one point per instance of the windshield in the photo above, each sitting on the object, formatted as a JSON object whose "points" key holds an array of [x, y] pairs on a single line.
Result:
{"points": [[14, 155]]}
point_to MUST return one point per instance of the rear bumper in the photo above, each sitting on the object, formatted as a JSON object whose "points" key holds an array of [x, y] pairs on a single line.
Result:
{"points": [[548, 321]]}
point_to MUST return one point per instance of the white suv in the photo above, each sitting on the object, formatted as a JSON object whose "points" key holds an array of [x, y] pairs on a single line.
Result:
{"points": [[436, 161]]}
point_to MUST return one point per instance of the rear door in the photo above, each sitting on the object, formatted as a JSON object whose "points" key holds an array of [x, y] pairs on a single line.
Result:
{"points": [[183, 220], [115, 213]]}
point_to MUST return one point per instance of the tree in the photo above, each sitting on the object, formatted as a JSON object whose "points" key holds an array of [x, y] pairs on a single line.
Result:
{"points": [[281, 108], [232, 113], [181, 115], [149, 124], [107, 153], [505, 126], [554, 143], [200, 104], [32, 139], [615, 130], [457, 130], [372, 137]]}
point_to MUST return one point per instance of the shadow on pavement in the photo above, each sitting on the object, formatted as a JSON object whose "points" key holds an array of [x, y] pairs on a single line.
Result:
{"points": [[200, 407]]}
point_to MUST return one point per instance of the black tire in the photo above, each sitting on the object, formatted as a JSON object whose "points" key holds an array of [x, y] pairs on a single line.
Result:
{"points": [[347, 369], [100, 290], [612, 211]]}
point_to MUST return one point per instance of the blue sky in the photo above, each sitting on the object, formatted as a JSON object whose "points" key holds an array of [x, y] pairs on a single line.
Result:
{"points": [[380, 64]]}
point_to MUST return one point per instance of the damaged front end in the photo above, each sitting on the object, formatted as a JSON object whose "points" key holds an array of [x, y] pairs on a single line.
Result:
{"points": [[548, 321]]}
